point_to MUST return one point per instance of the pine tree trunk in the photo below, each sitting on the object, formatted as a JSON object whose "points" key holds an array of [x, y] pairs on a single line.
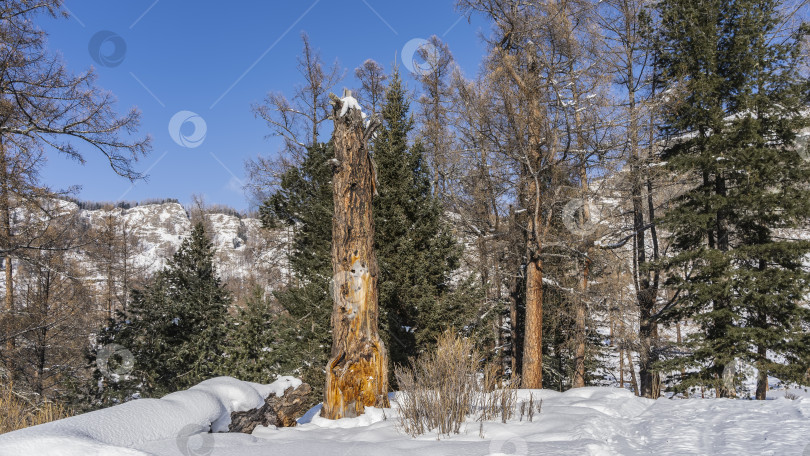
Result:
{"points": [[533, 335], [762, 385], [357, 373], [679, 342], [5, 218], [633, 381], [723, 322], [762, 354], [587, 246], [579, 358]]}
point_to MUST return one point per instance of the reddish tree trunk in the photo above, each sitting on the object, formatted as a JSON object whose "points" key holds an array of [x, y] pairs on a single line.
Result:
{"points": [[533, 335]]}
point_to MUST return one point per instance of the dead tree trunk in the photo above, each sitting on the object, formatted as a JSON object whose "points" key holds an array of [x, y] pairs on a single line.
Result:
{"points": [[357, 373], [281, 411]]}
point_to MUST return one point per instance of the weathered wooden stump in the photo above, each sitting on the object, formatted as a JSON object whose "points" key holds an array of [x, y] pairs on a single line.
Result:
{"points": [[357, 373], [276, 411]]}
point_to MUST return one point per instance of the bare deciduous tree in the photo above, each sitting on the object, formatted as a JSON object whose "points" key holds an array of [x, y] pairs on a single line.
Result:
{"points": [[434, 75], [298, 120], [631, 64], [43, 107], [478, 196], [111, 249], [548, 94], [58, 315], [372, 79]]}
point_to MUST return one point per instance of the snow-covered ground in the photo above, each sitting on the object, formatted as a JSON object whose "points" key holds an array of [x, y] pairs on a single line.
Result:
{"points": [[586, 421]]}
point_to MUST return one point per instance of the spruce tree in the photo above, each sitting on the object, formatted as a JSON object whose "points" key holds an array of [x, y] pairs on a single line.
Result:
{"points": [[302, 332], [415, 249], [736, 105], [175, 327], [251, 352]]}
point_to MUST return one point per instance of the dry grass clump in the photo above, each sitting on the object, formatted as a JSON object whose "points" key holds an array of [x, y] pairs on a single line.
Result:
{"points": [[17, 412], [791, 396], [527, 409], [497, 397], [441, 389]]}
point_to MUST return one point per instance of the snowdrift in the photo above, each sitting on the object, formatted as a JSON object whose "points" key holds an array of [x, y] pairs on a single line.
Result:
{"points": [[118, 430], [588, 421]]}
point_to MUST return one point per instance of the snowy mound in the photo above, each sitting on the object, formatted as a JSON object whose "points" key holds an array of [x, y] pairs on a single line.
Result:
{"points": [[117, 430], [586, 421]]}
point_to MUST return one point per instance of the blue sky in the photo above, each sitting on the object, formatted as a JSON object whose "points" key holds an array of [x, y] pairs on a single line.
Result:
{"points": [[215, 59]]}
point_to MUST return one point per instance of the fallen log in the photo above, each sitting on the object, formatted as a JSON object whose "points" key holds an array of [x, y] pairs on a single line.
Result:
{"points": [[280, 411]]}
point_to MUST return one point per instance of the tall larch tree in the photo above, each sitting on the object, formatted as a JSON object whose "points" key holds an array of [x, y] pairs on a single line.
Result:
{"points": [[44, 108], [626, 25], [303, 199]]}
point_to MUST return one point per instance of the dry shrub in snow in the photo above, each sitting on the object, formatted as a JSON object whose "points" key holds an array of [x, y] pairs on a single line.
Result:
{"points": [[442, 388], [17, 412]]}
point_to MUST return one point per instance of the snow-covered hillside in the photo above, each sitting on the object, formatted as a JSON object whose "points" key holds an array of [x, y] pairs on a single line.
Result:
{"points": [[159, 230], [114, 249], [585, 421]]}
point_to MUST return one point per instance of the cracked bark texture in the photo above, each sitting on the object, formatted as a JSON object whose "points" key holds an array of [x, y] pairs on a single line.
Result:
{"points": [[357, 373]]}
